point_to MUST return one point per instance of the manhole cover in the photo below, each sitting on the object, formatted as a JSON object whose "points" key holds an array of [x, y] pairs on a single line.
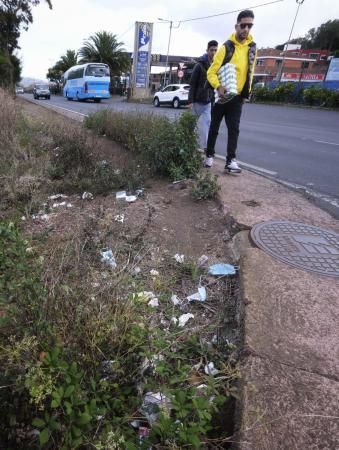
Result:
{"points": [[304, 246]]}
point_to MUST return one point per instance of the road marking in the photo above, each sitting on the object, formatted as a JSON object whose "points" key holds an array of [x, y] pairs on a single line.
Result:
{"points": [[250, 166], [69, 110], [325, 142]]}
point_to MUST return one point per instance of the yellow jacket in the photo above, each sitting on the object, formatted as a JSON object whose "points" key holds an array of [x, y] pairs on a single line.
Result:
{"points": [[239, 59]]}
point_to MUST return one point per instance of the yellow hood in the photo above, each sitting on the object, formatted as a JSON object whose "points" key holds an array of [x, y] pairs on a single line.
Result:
{"points": [[246, 42]]}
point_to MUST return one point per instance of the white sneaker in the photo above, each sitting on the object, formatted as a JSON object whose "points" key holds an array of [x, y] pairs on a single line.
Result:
{"points": [[233, 166], [208, 162]]}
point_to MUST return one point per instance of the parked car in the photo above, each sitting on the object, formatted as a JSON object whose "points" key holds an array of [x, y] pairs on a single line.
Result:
{"points": [[41, 90], [19, 90], [173, 94]]}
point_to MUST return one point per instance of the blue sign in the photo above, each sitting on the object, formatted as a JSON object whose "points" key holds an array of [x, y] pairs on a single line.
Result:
{"points": [[143, 54]]}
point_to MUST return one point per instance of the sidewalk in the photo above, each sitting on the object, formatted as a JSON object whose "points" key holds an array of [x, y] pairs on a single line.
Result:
{"points": [[290, 360]]}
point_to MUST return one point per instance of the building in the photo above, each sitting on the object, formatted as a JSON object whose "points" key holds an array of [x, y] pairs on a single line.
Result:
{"points": [[292, 65]]}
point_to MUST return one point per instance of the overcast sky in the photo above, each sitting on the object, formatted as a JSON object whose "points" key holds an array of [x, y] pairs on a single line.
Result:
{"points": [[70, 22]]}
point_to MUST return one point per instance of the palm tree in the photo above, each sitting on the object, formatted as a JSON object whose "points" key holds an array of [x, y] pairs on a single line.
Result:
{"points": [[65, 62], [68, 60], [104, 47]]}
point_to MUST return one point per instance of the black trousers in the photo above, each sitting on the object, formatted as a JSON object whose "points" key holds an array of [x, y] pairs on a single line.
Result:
{"points": [[232, 113]]}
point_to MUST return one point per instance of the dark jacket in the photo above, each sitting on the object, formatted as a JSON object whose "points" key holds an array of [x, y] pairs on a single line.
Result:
{"points": [[199, 92]]}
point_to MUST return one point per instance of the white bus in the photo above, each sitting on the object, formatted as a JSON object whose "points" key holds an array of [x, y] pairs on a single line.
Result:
{"points": [[87, 81]]}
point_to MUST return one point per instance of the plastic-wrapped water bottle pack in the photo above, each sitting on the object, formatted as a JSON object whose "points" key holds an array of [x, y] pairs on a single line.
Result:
{"points": [[227, 77]]}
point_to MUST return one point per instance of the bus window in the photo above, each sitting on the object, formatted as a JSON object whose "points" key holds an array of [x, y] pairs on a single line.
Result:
{"points": [[93, 70]]}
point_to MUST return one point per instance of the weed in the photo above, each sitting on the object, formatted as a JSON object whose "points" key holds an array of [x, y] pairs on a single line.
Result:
{"points": [[205, 187]]}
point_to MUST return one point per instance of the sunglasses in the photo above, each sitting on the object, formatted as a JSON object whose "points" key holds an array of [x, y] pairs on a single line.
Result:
{"points": [[244, 25]]}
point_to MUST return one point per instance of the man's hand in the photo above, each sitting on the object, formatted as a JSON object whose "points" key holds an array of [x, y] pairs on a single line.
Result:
{"points": [[221, 91]]}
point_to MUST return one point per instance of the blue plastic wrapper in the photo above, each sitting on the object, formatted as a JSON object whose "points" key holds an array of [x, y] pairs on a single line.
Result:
{"points": [[221, 269]]}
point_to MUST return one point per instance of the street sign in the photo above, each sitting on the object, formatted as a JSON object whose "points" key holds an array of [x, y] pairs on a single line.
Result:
{"points": [[180, 73]]}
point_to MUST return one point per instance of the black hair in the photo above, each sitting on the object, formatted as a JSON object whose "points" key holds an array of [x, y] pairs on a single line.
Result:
{"points": [[212, 44], [245, 13]]}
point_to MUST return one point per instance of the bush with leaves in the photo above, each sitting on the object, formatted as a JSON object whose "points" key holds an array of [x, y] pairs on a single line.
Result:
{"points": [[164, 147], [205, 186]]}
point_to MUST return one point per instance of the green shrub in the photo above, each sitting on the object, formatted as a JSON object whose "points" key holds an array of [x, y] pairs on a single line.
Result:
{"points": [[263, 94], [205, 187], [317, 96], [21, 290], [333, 99], [164, 147], [283, 92]]}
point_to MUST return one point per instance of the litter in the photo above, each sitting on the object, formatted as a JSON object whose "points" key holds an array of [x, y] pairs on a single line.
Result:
{"points": [[154, 302], [108, 258], [143, 433], [154, 273], [210, 369], [69, 205], [87, 196], [202, 260], [42, 217], [184, 318], [57, 197], [56, 205], [144, 296], [121, 195], [174, 320], [151, 363], [199, 296], [139, 192], [119, 218], [221, 269], [136, 270], [179, 258], [130, 198], [153, 403], [175, 300], [178, 181]]}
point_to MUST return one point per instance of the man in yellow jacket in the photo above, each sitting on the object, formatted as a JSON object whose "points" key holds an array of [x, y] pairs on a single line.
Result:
{"points": [[239, 51]]}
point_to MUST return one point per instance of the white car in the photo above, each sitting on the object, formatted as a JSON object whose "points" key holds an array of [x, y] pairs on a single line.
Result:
{"points": [[173, 94]]}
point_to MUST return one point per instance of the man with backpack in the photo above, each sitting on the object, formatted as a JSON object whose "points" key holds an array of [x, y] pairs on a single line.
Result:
{"points": [[233, 64], [200, 95]]}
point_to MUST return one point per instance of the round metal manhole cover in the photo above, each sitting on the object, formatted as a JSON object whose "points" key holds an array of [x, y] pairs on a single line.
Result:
{"points": [[303, 246]]}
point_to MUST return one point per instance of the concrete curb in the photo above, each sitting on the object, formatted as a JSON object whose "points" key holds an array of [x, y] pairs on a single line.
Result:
{"points": [[290, 359]]}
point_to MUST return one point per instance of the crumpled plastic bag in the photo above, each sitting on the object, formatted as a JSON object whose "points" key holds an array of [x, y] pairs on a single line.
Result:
{"points": [[221, 269]]}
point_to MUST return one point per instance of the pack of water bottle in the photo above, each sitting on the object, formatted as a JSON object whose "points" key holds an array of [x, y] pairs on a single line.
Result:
{"points": [[227, 77]]}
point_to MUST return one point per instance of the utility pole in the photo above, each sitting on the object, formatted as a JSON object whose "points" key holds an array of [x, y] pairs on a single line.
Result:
{"points": [[299, 2], [169, 43]]}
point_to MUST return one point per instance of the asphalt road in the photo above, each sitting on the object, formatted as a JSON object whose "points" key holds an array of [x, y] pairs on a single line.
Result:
{"points": [[296, 146]]}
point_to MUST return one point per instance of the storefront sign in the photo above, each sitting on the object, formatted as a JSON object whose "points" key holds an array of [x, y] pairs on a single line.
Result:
{"points": [[305, 77]]}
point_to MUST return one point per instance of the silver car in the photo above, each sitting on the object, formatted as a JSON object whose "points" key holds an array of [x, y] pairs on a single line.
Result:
{"points": [[41, 90]]}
